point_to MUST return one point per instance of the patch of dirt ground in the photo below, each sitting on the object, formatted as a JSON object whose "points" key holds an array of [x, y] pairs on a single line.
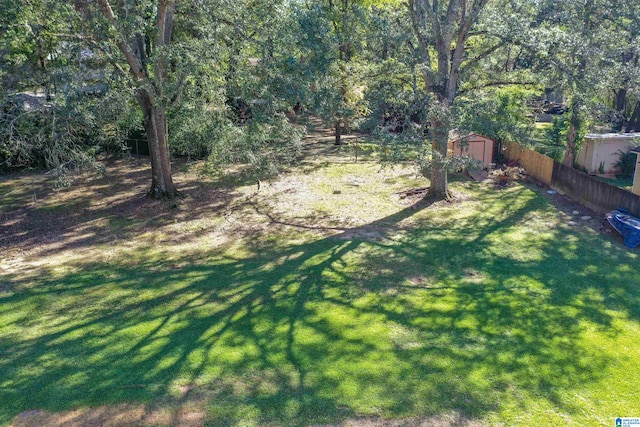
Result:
{"points": [[110, 416], [139, 415]]}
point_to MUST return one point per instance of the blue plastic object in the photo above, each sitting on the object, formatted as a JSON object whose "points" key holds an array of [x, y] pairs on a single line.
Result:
{"points": [[627, 225]]}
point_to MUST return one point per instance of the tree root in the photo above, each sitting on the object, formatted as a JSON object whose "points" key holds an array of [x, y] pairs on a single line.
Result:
{"points": [[157, 194], [413, 192], [447, 196], [428, 195]]}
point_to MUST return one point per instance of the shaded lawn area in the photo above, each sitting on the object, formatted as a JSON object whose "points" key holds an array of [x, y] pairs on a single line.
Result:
{"points": [[488, 310], [624, 182]]}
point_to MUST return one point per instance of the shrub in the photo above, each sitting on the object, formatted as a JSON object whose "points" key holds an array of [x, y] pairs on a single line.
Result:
{"points": [[626, 164]]}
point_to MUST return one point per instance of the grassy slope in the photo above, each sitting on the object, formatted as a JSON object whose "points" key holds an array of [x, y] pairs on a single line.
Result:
{"points": [[334, 306]]}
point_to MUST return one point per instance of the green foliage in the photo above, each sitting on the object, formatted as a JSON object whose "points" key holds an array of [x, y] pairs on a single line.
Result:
{"points": [[263, 147], [41, 135], [626, 164], [393, 102], [61, 101], [61, 136], [194, 129], [557, 133], [500, 114], [264, 140], [411, 146], [453, 164], [355, 62], [554, 139], [332, 41], [35, 42]]}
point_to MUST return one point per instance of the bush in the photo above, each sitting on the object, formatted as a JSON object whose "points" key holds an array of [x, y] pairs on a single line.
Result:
{"points": [[626, 164], [42, 135], [264, 147]]}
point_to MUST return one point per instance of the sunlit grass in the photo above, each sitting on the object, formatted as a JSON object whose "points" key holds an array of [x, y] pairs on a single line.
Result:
{"points": [[489, 308]]}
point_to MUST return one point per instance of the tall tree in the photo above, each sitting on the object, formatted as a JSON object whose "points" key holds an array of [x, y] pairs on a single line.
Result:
{"points": [[575, 55], [583, 46], [625, 75], [333, 40], [443, 30], [143, 34]]}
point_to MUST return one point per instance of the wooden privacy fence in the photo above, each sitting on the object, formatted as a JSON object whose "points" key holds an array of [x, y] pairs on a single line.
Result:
{"points": [[537, 165], [592, 192], [589, 191]]}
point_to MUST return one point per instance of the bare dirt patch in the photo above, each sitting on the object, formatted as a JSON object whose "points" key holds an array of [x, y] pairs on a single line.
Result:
{"points": [[112, 210], [140, 415], [111, 416], [446, 420], [36, 218]]}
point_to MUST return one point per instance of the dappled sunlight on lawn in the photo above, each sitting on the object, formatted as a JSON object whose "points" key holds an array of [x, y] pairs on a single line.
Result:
{"points": [[488, 308]]}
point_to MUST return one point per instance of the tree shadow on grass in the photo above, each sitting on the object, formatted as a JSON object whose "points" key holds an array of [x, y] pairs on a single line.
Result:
{"points": [[111, 209], [453, 313], [103, 210]]}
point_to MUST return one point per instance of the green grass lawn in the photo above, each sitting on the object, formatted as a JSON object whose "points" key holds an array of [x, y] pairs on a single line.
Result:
{"points": [[624, 182], [543, 143], [335, 306]]}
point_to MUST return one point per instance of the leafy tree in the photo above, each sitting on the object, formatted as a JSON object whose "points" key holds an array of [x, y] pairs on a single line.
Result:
{"points": [[143, 32], [393, 97], [498, 113], [574, 54], [52, 88], [333, 37], [236, 110], [624, 78], [443, 30]]}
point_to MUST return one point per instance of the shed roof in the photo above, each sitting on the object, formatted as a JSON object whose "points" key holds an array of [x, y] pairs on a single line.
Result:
{"points": [[613, 136], [454, 136]]}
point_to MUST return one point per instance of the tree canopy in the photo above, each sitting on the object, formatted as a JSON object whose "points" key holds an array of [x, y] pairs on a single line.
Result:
{"points": [[223, 80]]}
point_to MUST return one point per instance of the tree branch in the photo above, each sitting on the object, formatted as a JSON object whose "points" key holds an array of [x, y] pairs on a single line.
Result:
{"points": [[418, 22], [134, 66], [468, 63], [465, 26], [171, 10], [161, 22]]}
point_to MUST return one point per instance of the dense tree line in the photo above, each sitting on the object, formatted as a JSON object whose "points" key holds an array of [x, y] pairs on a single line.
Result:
{"points": [[222, 79]]}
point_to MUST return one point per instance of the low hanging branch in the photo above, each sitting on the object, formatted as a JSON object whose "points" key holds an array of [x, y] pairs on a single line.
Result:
{"points": [[134, 65]]}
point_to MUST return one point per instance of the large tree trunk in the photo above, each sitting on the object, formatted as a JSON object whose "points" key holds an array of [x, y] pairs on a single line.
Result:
{"points": [[439, 187], [621, 99], [634, 121], [155, 124], [439, 129], [437, 25], [619, 104], [155, 115], [572, 135]]}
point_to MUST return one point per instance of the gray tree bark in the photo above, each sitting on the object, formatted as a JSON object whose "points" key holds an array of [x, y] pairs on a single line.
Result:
{"points": [[149, 94], [443, 30]]}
